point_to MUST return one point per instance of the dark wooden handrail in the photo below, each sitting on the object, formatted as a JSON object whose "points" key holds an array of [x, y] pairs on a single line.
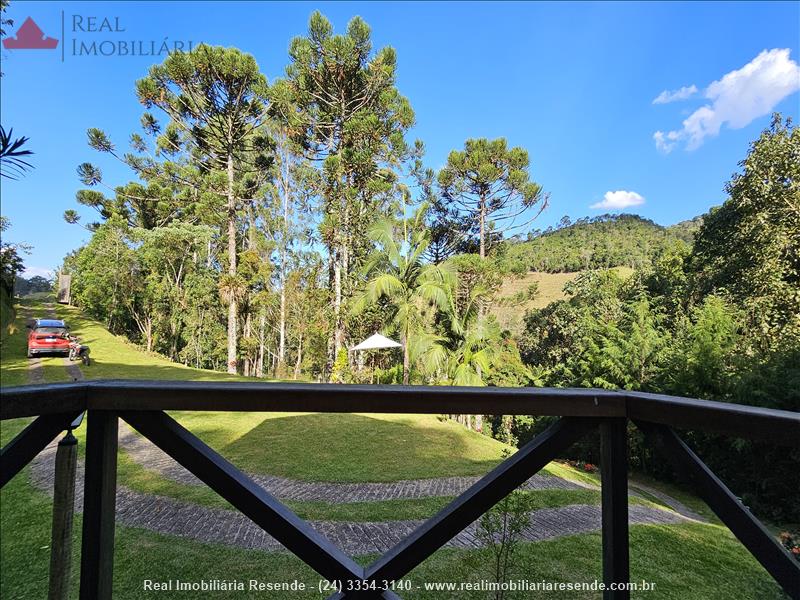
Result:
{"points": [[750, 422], [143, 404]]}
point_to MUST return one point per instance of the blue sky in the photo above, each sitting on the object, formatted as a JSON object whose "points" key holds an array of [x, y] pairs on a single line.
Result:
{"points": [[574, 84]]}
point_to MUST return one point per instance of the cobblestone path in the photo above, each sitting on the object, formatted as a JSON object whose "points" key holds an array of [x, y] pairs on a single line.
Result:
{"points": [[204, 524], [152, 458]]}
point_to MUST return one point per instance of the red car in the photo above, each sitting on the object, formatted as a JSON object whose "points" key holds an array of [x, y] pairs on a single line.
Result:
{"points": [[48, 336]]}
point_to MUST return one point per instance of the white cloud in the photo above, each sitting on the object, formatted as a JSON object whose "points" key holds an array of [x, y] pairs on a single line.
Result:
{"points": [[40, 271], [672, 96], [619, 200], [665, 142], [737, 99]]}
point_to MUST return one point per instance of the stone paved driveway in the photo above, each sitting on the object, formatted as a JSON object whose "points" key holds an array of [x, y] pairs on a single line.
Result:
{"points": [[204, 524]]}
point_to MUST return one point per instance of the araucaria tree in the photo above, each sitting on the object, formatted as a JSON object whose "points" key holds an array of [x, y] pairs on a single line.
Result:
{"points": [[214, 97], [341, 105], [489, 184]]}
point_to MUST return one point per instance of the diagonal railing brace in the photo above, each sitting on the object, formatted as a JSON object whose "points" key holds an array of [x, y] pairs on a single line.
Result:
{"points": [[30, 441], [244, 494], [749, 530], [479, 498]]}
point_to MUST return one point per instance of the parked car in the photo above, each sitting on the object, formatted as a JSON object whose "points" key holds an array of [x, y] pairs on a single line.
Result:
{"points": [[48, 336]]}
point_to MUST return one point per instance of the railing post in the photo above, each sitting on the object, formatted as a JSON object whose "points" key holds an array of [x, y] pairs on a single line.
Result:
{"points": [[99, 503], [63, 511], [614, 474]]}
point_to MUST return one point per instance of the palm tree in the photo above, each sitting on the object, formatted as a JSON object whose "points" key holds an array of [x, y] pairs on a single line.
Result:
{"points": [[474, 352], [473, 345], [12, 165], [399, 276]]}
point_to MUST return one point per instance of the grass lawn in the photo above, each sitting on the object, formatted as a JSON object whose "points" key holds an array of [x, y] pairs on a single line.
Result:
{"points": [[345, 447], [114, 357]]}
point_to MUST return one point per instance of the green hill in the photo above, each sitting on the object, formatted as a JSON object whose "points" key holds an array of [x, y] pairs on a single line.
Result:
{"points": [[686, 230], [598, 243]]}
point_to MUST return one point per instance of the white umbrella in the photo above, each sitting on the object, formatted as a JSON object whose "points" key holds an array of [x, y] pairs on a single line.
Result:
{"points": [[375, 342]]}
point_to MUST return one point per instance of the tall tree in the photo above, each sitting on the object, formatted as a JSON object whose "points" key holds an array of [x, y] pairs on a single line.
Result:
{"points": [[749, 247], [295, 182], [340, 102], [489, 183], [170, 184], [216, 97]]}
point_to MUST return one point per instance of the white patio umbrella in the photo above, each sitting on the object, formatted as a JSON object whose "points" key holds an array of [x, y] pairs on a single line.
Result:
{"points": [[376, 342]]}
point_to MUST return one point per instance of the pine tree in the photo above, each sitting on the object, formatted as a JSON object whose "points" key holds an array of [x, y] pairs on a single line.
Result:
{"points": [[340, 102], [489, 183], [216, 97]]}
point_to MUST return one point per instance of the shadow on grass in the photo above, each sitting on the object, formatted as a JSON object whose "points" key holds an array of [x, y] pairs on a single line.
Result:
{"points": [[354, 447]]}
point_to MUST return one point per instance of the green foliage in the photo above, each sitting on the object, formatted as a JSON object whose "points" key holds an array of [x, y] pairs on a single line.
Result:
{"points": [[488, 185], [154, 285], [594, 243], [213, 94], [33, 285], [703, 356], [105, 280], [749, 247], [718, 322], [11, 266], [341, 368], [340, 105], [12, 165], [414, 292], [215, 98], [500, 530]]}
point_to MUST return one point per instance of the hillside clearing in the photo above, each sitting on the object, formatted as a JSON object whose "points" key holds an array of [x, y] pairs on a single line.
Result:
{"points": [[550, 289]]}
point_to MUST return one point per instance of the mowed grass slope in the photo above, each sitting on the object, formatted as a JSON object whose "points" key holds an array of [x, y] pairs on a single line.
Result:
{"points": [[314, 447], [14, 363], [114, 357], [550, 289]]}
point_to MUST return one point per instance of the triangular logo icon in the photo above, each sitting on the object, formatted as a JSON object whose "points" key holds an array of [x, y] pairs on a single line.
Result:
{"points": [[30, 37]]}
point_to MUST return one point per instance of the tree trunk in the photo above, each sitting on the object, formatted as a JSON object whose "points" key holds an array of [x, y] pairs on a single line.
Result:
{"points": [[342, 267], [248, 359], [338, 333], [299, 360], [282, 328], [261, 333], [406, 361], [482, 228], [285, 185], [232, 308]]}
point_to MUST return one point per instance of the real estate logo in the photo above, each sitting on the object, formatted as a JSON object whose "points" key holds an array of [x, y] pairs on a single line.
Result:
{"points": [[30, 37], [91, 36]]}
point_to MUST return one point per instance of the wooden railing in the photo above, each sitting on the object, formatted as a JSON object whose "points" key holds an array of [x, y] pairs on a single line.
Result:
{"points": [[143, 404]]}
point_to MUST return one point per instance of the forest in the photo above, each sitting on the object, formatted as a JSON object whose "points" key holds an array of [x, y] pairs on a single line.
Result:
{"points": [[270, 226]]}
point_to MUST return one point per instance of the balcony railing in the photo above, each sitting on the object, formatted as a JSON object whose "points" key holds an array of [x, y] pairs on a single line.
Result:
{"points": [[142, 404]]}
